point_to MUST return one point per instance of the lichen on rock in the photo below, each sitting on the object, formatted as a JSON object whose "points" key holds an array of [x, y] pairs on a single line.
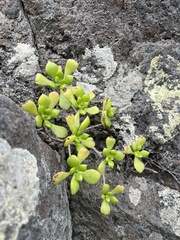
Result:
{"points": [[19, 189], [162, 85]]}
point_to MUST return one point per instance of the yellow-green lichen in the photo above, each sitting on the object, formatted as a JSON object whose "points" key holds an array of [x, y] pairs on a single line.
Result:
{"points": [[164, 91]]}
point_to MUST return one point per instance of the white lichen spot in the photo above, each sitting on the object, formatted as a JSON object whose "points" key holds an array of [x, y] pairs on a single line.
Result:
{"points": [[165, 98], [105, 65], [142, 183], [122, 88], [170, 212], [24, 61], [19, 189], [134, 195], [155, 236]]}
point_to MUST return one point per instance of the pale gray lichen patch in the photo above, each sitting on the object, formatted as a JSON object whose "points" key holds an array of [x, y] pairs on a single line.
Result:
{"points": [[162, 85], [155, 236], [143, 186], [170, 212], [134, 195], [19, 189], [122, 88], [24, 62], [103, 59]]}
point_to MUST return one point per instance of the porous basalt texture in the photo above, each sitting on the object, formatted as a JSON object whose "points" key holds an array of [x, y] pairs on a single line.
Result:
{"points": [[129, 51]]}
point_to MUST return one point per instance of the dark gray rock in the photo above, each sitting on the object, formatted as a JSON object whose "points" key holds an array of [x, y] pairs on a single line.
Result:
{"points": [[47, 216], [129, 51]]}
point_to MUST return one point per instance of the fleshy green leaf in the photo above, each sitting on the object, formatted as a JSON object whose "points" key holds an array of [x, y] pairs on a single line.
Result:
{"points": [[44, 100], [84, 124], [39, 121], [74, 185], [110, 142], [107, 122], [77, 120], [111, 112], [105, 208], [141, 141], [119, 156], [79, 91], [89, 143], [105, 188], [117, 189], [83, 153], [54, 113], [108, 104], [43, 81], [48, 124], [51, 69], [138, 165], [102, 167], [71, 66], [69, 140], [59, 131], [106, 152], [59, 177], [82, 167], [68, 79], [113, 199], [79, 176], [128, 150], [64, 103], [144, 153], [70, 121], [54, 98], [134, 146], [30, 107], [91, 176], [111, 163], [73, 161], [92, 110]]}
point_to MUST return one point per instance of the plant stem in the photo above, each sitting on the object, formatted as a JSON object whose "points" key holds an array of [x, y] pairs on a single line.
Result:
{"points": [[69, 149], [98, 125], [97, 152]]}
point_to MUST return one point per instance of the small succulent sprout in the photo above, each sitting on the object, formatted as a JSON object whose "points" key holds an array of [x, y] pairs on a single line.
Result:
{"points": [[79, 171], [138, 152], [109, 198], [30, 107], [110, 155], [107, 112], [59, 177], [41, 80], [55, 72], [51, 69], [71, 66], [80, 100], [46, 111], [80, 138]]}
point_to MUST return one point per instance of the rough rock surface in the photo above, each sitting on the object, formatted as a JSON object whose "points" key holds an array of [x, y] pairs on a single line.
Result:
{"points": [[129, 51], [27, 199]]}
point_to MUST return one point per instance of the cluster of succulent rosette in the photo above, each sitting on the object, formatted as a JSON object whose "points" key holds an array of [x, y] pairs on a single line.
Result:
{"points": [[67, 96]]}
